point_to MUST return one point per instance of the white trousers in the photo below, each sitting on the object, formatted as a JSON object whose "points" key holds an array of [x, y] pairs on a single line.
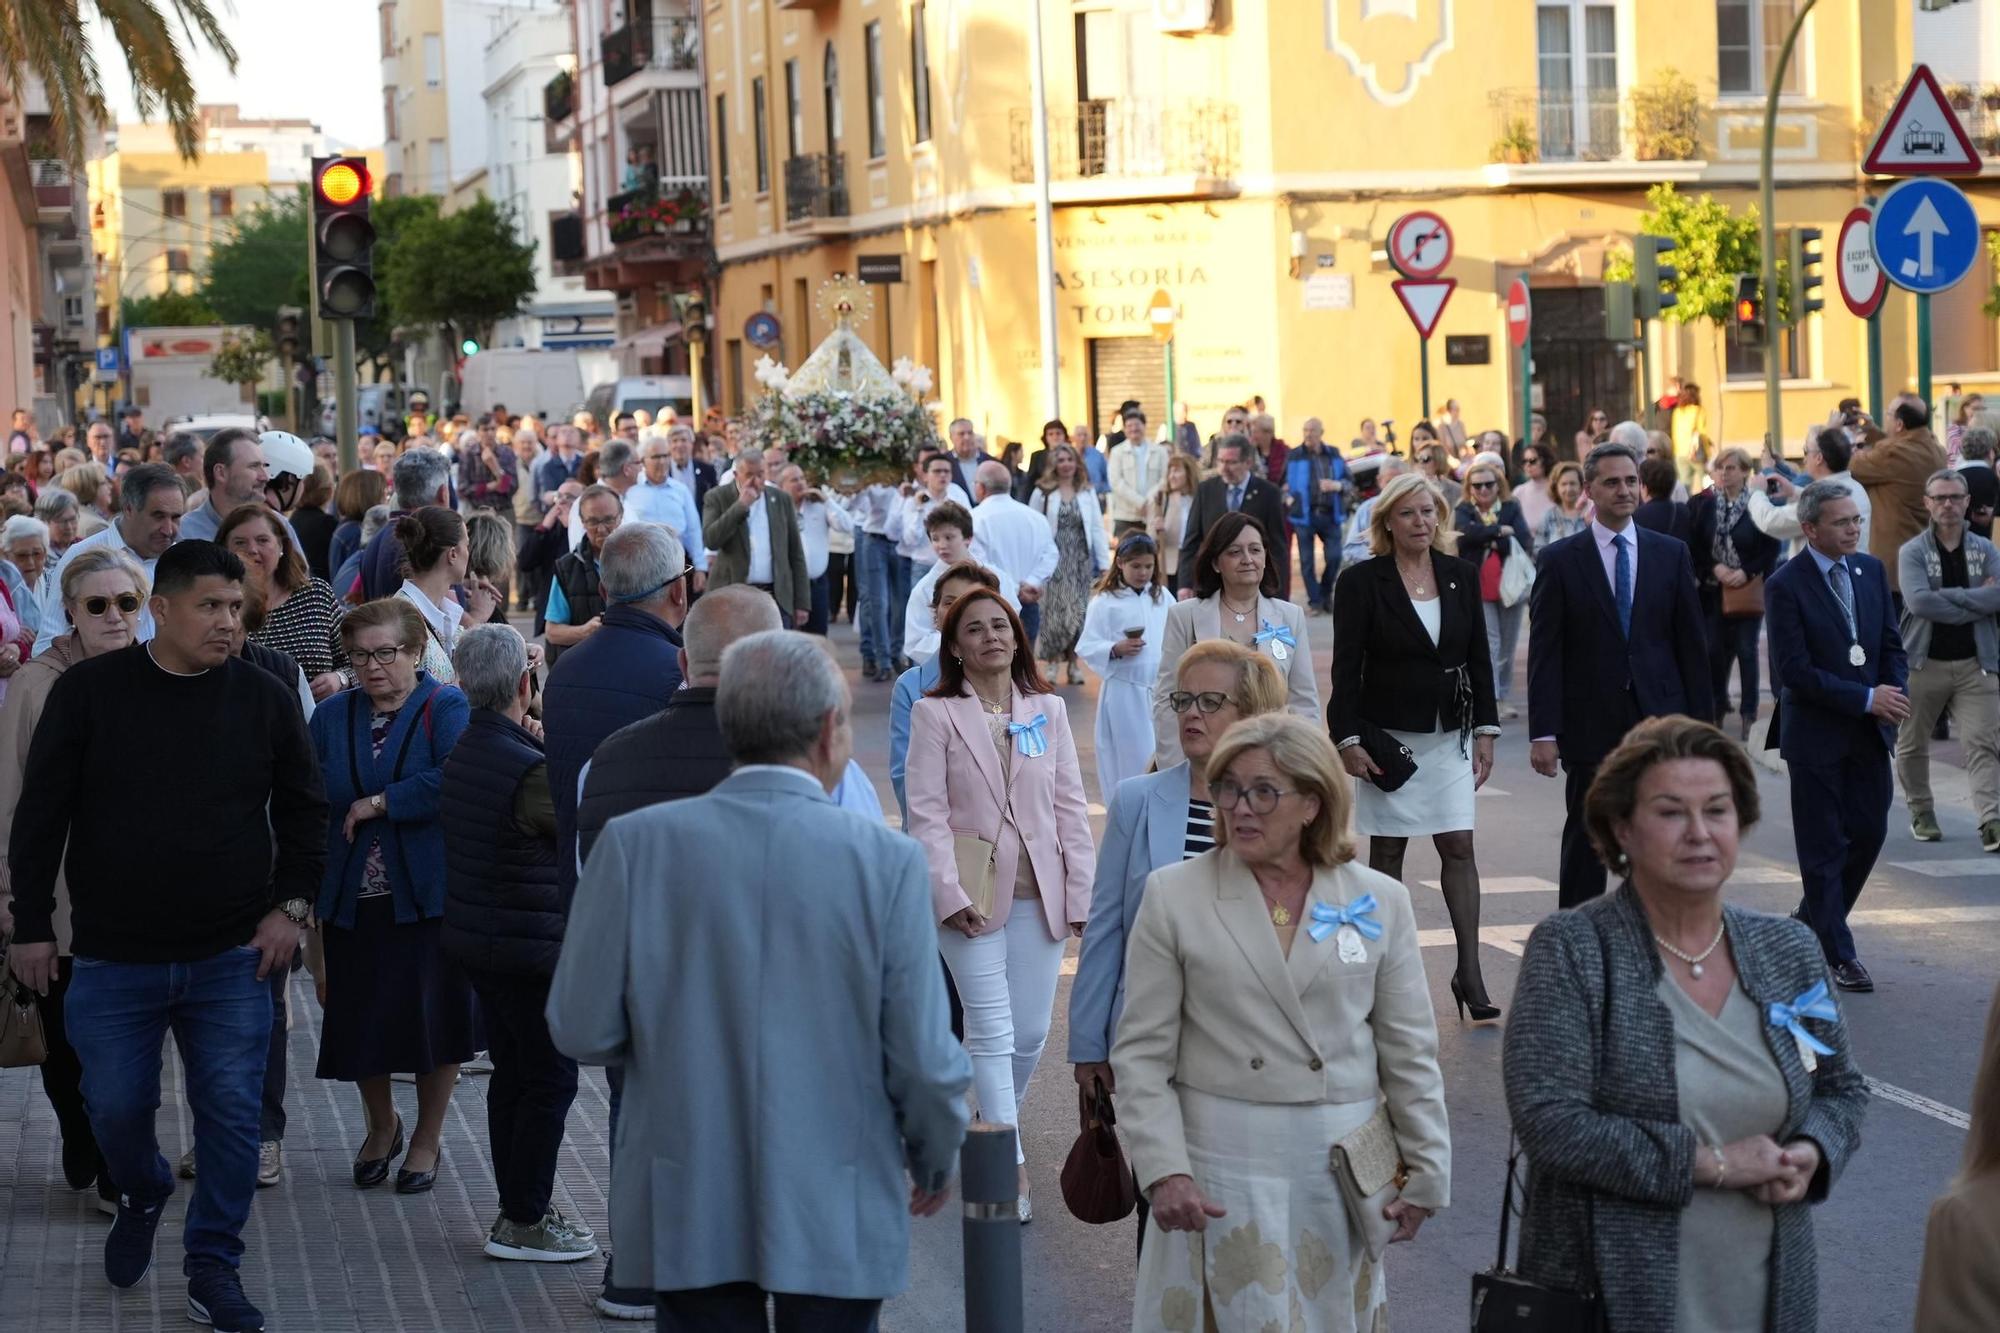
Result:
{"points": [[1006, 981]]}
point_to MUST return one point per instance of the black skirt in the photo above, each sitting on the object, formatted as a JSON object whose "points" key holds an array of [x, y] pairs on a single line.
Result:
{"points": [[394, 1003]]}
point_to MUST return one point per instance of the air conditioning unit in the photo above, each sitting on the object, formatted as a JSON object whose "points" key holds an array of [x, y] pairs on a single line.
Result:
{"points": [[1184, 16]]}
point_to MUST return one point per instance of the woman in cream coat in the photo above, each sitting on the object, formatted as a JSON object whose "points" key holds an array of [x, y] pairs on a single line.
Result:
{"points": [[1244, 1052], [1233, 594]]}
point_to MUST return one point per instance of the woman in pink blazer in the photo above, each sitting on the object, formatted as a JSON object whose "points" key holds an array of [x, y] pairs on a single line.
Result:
{"points": [[991, 758]]}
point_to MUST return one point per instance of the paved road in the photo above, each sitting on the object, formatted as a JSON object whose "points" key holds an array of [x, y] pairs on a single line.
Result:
{"points": [[325, 1257]]}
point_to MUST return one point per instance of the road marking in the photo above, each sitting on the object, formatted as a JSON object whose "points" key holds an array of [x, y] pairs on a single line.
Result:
{"points": [[1506, 884], [1964, 866], [1764, 874], [1889, 1092], [1923, 916], [1490, 790]]}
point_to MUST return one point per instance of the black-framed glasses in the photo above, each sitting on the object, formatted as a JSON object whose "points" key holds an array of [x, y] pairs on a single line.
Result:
{"points": [[603, 521], [126, 602], [1957, 499], [380, 656], [1263, 797], [1484, 485], [1206, 702]]}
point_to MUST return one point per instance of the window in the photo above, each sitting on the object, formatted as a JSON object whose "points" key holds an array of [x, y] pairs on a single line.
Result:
{"points": [[733, 376], [1748, 34], [174, 203], [433, 60], [1577, 62], [437, 169], [795, 110], [761, 125], [722, 147], [388, 30], [389, 131], [830, 78], [878, 109], [920, 72], [221, 204], [178, 262]]}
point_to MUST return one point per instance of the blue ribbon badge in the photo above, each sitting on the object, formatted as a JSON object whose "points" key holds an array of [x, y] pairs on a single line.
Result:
{"points": [[1029, 737], [1358, 914], [1812, 1003], [1280, 634]]}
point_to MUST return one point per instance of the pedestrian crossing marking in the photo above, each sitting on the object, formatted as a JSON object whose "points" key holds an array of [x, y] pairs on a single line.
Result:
{"points": [[1889, 1092], [1967, 865], [1506, 884]]}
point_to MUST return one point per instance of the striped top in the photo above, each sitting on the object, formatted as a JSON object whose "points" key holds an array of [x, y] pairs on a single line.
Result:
{"points": [[1200, 829], [306, 626]]}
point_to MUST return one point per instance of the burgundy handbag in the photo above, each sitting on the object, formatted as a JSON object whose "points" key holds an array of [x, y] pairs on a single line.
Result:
{"points": [[1097, 1184]]}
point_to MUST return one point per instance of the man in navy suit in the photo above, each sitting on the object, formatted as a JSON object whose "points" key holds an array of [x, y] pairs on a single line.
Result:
{"points": [[1615, 635], [1838, 660]]}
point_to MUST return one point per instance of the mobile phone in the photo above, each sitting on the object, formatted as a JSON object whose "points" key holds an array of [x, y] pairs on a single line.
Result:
{"points": [[1136, 632]]}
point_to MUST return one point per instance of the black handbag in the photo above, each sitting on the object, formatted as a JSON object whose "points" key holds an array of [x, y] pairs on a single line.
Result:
{"points": [[1393, 757], [1505, 1302]]}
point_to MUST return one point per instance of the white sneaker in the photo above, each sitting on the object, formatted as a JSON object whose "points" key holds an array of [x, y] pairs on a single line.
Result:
{"points": [[480, 1063], [185, 1167], [270, 1163]]}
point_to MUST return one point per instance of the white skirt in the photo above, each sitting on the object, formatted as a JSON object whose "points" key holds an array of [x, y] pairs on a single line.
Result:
{"points": [[1436, 799], [1282, 1257]]}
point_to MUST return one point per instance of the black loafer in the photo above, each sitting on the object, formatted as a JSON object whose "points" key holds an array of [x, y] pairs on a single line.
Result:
{"points": [[1850, 975], [418, 1182], [372, 1171]]}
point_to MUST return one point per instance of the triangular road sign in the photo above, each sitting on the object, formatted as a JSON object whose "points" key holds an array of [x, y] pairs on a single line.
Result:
{"points": [[1921, 135], [1424, 300]]}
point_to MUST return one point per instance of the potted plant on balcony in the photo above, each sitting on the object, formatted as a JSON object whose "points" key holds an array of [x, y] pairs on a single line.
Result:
{"points": [[1517, 144], [1959, 96], [1666, 119]]}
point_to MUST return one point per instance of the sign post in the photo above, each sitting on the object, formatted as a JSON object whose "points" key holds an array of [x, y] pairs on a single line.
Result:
{"points": [[1926, 237], [1518, 317], [1161, 313], [1862, 287], [1420, 247]]}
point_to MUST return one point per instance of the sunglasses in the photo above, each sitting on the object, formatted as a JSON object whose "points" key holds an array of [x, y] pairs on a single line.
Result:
{"points": [[1206, 702], [126, 602], [380, 656], [1485, 485]]}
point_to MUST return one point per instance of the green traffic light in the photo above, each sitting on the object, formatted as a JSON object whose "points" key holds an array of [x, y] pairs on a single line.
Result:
{"points": [[469, 346]]}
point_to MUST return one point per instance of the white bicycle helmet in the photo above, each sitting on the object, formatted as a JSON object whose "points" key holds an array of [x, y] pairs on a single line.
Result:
{"points": [[286, 455]]}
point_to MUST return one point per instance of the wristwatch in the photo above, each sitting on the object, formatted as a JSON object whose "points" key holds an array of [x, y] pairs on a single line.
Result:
{"points": [[297, 910], [380, 802]]}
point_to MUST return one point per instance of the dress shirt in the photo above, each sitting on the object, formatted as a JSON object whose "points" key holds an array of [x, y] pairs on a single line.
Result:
{"points": [[1015, 539], [443, 620], [1137, 469], [671, 505], [875, 509], [1609, 553], [55, 619], [1825, 566], [757, 522], [683, 473], [912, 542], [817, 521], [1782, 521]]}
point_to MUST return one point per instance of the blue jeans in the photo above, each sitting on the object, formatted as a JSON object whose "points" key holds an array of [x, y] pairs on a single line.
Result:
{"points": [[220, 1015], [1326, 529], [879, 616], [902, 577]]}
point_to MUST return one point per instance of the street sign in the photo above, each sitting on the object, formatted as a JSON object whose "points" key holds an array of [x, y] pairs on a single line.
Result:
{"points": [[1518, 313], [1424, 301], [1925, 235], [761, 329], [1419, 244], [1862, 284], [878, 268], [106, 371], [1160, 314], [1921, 135]]}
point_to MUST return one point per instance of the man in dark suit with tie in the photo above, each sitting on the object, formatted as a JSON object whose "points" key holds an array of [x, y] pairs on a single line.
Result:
{"points": [[1235, 487], [1615, 635], [1837, 658]]}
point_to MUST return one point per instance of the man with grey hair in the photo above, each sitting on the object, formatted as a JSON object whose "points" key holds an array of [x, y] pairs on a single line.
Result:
{"points": [[504, 915], [421, 477], [1630, 434], [1615, 635], [1837, 661], [1827, 453], [618, 470], [697, 474], [182, 453], [148, 522], [1975, 465], [677, 908], [1012, 539], [1951, 592], [754, 531], [966, 455], [1356, 548]]}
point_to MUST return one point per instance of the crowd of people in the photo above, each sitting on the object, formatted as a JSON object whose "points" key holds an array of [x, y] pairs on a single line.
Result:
{"points": [[489, 862]]}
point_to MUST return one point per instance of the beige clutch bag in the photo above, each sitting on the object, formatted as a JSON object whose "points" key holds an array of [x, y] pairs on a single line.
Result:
{"points": [[974, 856], [1368, 1166]]}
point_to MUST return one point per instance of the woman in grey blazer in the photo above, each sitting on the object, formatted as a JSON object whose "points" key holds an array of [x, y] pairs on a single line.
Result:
{"points": [[1676, 1068]]}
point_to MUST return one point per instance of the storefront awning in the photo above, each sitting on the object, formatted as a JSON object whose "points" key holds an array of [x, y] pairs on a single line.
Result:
{"points": [[650, 341]]}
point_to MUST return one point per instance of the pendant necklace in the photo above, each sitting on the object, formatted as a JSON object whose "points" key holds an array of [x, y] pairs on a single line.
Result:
{"points": [[1281, 915], [1694, 960], [1416, 590], [990, 706], [1241, 616]]}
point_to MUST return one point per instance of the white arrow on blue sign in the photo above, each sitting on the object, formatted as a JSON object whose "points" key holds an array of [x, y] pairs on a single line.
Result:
{"points": [[1926, 235]]}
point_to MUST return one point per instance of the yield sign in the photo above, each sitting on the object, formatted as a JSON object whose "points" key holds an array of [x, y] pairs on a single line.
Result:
{"points": [[1424, 300], [1921, 135]]}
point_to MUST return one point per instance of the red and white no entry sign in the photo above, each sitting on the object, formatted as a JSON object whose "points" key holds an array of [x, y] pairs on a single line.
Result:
{"points": [[1863, 284], [1518, 312]]}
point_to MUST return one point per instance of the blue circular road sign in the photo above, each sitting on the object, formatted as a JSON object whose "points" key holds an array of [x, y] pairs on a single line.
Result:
{"points": [[1926, 236], [761, 329]]}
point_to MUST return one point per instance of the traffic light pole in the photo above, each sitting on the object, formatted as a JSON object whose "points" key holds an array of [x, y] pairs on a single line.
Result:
{"points": [[1774, 408], [347, 415], [1923, 349], [1874, 323]]}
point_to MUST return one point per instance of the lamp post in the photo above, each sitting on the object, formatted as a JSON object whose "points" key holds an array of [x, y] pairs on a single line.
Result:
{"points": [[1774, 415]]}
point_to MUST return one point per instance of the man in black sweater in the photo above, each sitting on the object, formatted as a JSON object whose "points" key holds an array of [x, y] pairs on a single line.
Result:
{"points": [[188, 884]]}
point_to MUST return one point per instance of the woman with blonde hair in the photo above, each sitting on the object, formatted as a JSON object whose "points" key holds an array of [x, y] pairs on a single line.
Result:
{"points": [[1246, 1051], [1490, 525], [1063, 496], [1731, 555], [1167, 513], [91, 486], [1959, 1291], [1565, 515]]}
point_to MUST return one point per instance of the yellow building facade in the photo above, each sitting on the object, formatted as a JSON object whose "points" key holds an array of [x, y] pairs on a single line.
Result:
{"points": [[1248, 161], [155, 217], [415, 116]]}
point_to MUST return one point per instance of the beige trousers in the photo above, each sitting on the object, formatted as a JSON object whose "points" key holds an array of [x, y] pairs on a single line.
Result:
{"points": [[1974, 698]]}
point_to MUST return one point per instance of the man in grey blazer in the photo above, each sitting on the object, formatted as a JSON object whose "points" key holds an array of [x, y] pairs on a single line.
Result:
{"points": [[754, 532], [764, 966]]}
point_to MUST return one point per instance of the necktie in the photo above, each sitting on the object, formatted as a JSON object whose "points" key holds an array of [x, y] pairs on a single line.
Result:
{"points": [[1623, 583], [1843, 592], [1235, 498]]}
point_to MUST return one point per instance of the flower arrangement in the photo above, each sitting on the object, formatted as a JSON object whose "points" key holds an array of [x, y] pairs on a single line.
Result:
{"points": [[650, 215], [840, 435]]}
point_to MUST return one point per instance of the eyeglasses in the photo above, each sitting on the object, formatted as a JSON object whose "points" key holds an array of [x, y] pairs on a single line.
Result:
{"points": [[1207, 701], [380, 656], [1957, 499], [126, 602], [605, 521], [1263, 797], [1484, 485]]}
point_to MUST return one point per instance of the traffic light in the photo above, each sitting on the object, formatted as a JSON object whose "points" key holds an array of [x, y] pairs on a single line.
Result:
{"points": [[1806, 281], [1618, 311], [470, 347], [290, 349], [1653, 279], [1747, 315], [343, 238]]}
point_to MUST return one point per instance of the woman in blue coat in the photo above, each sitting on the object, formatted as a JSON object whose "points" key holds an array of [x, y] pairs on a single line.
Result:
{"points": [[394, 1003]]}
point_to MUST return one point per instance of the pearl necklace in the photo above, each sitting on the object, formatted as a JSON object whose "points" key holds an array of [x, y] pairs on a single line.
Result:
{"points": [[1694, 960]]}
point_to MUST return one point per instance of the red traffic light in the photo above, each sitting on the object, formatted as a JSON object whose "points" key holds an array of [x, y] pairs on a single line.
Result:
{"points": [[343, 181], [1746, 311]]}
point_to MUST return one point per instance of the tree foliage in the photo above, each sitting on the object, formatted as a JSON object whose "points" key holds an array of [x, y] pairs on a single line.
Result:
{"points": [[168, 309], [465, 270], [243, 360], [1711, 246], [49, 42], [262, 265]]}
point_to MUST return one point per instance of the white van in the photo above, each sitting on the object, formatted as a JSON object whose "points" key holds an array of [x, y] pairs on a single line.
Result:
{"points": [[548, 384], [636, 392]]}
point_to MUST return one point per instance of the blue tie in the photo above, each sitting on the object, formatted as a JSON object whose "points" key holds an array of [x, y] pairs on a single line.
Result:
{"points": [[1623, 584], [1843, 592], [1235, 498]]}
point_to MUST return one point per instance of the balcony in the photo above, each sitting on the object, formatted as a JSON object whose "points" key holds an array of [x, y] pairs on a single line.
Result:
{"points": [[1563, 125], [650, 43], [638, 215], [559, 97], [566, 244], [1189, 148], [55, 191], [815, 187]]}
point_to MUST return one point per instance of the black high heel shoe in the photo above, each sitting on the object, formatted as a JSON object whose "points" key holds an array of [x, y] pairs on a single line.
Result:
{"points": [[372, 1171], [419, 1182], [1481, 1013]]}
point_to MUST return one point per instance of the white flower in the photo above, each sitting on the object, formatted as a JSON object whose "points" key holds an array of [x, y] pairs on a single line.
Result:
{"points": [[771, 374], [902, 370], [919, 380]]}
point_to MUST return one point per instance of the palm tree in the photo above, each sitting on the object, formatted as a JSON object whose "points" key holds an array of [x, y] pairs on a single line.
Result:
{"points": [[49, 41]]}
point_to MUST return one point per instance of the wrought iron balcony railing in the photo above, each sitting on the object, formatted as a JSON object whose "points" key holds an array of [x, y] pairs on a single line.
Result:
{"points": [[650, 43], [815, 186], [1127, 138]]}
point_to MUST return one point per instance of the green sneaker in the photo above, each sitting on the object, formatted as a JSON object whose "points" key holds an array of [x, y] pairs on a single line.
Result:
{"points": [[1989, 836], [1924, 827], [551, 1241]]}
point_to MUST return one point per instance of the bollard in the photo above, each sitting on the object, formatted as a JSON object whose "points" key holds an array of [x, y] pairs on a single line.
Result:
{"points": [[988, 1181]]}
